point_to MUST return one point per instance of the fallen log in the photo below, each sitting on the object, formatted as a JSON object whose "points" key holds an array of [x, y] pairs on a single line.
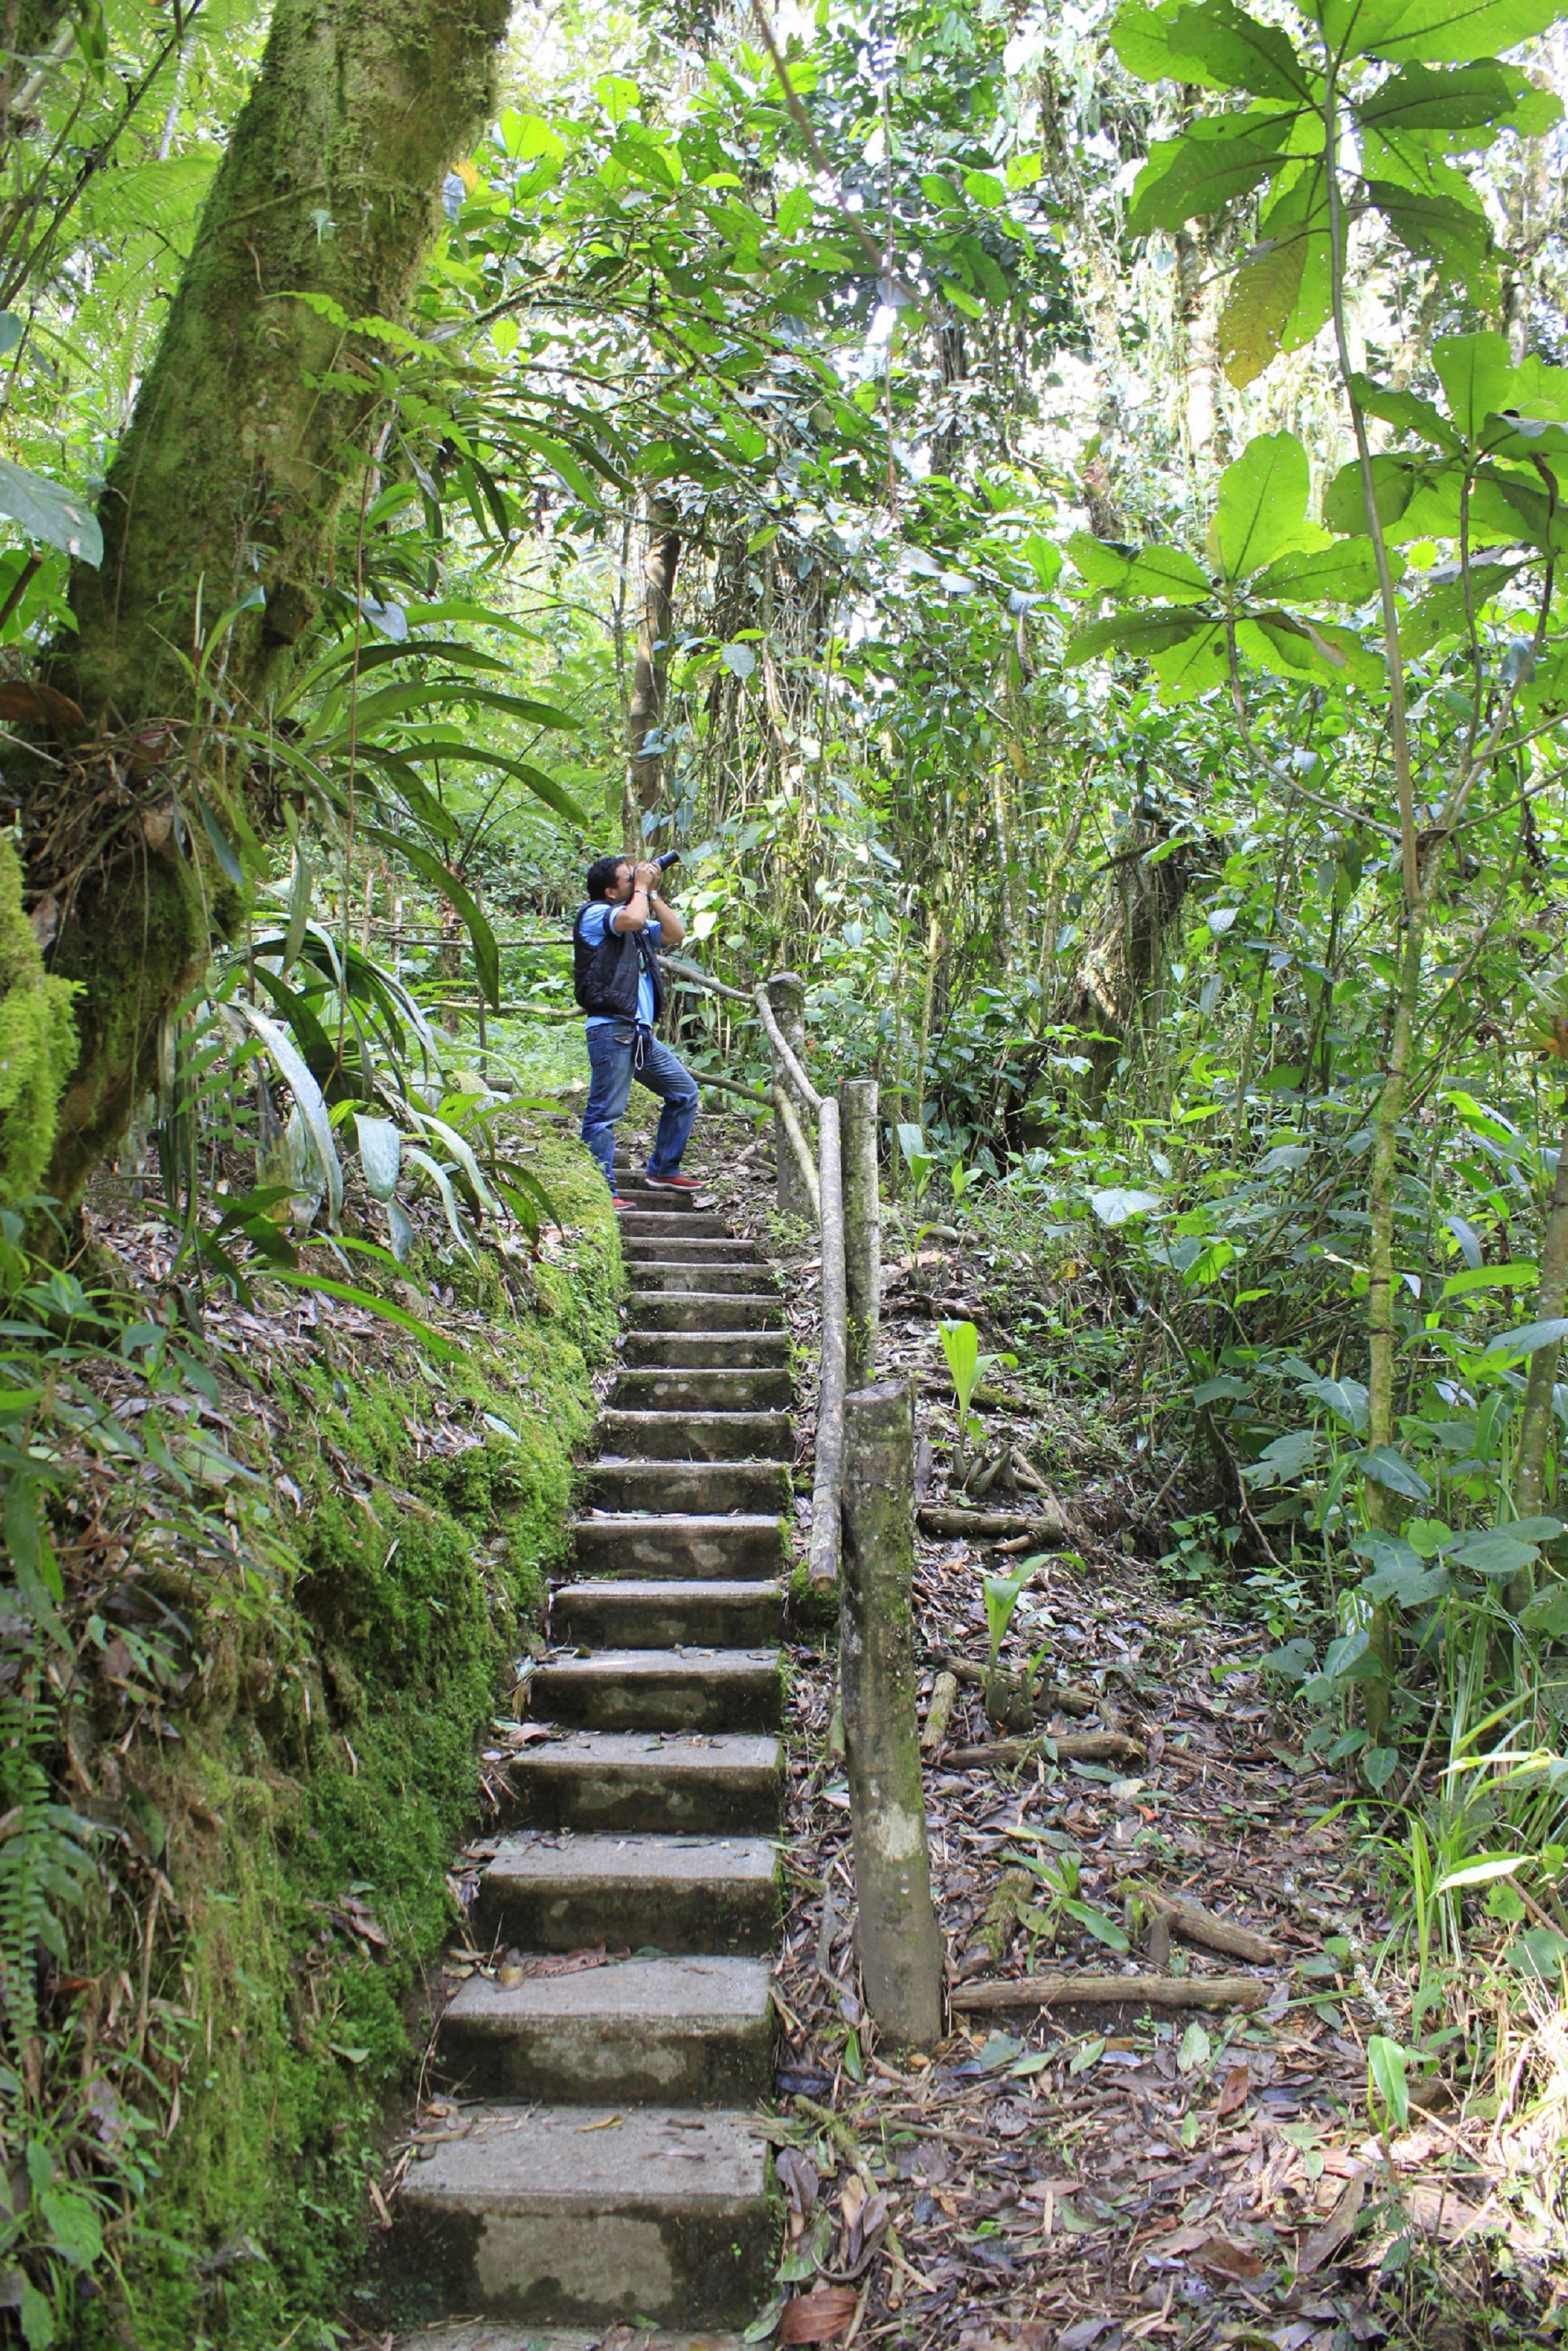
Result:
{"points": [[1151, 1991], [989, 1525], [1195, 1925], [1072, 1746], [943, 1691]]}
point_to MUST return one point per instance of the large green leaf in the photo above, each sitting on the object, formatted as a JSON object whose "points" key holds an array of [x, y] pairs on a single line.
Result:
{"points": [[543, 786], [54, 517], [1100, 563], [1262, 506], [1437, 227], [1345, 573], [1408, 410], [1477, 374], [1217, 46], [1459, 111], [1221, 157], [1168, 571], [429, 869], [1193, 664], [1282, 294], [1393, 484], [1143, 634], [1432, 32]]}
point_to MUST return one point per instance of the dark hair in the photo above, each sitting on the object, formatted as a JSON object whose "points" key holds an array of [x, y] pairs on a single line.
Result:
{"points": [[601, 875]]}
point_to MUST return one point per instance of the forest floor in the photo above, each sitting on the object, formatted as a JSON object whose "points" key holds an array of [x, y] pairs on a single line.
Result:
{"points": [[1084, 2176]]}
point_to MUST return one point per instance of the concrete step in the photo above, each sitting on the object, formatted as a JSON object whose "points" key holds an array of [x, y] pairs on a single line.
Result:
{"points": [[660, 1689], [684, 1487], [699, 1350], [504, 2335], [566, 1893], [708, 1310], [725, 1783], [714, 1389], [728, 1547], [653, 1613], [641, 1193], [678, 1251], [694, 1437], [566, 2212], [679, 1224], [752, 1279], [692, 2032]]}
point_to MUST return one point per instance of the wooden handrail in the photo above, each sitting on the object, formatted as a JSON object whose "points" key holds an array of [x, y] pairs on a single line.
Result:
{"points": [[827, 1488], [785, 1053]]}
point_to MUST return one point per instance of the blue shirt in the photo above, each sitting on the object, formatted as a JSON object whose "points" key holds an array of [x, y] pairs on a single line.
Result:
{"points": [[595, 922]]}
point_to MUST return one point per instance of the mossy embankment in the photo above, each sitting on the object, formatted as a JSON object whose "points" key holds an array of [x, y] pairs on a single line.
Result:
{"points": [[349, 1607]]}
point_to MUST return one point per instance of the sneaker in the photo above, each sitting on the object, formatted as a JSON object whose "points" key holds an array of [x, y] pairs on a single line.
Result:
{"points": [[619, 1203], [673, 1183]]}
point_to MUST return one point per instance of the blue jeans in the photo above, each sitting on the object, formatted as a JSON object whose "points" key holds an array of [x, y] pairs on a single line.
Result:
{"points": [[611, 1054]]}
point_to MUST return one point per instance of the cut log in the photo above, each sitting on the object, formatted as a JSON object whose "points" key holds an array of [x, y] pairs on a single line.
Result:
{"points": [[1050, 1524], [1070, 1699], [1197, 1925], [1072, 1746], [937, 1714], [1143, 1991]]}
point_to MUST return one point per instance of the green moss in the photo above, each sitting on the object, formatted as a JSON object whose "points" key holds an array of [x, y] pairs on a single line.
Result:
{"points": [[812, 1608], [38, 1044], [326, 1772]]}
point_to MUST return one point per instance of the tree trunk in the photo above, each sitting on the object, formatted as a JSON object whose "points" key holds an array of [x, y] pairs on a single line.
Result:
{"points": [[897, 1936], [650, 672], [229, 478], [828, 1486]]}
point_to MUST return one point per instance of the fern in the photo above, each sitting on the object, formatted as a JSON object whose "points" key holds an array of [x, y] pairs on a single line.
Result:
{"points": [[44, 1863]]}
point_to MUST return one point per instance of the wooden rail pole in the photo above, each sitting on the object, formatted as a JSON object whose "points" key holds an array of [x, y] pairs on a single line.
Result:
{"points": [[828, 1487], [863, 1229], [900, 1946], [786, 994]]}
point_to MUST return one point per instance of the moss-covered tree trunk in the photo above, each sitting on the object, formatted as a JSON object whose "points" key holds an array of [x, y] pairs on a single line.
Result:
{"points": [[254, 417]]}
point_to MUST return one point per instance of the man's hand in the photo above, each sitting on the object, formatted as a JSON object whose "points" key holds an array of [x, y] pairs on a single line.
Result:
{"points": [[646, 877]]}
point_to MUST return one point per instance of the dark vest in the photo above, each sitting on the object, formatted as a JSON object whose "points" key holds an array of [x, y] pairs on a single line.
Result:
{"points": [[605, 977]]}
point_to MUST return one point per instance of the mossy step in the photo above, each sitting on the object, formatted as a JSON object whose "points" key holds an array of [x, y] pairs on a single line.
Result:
{"points": [[695, 1436], [675, 1250], [683, 1487], [704, 1350], [689, 1689], [727, 1280], [698, 1545], [712, 1389], [501, 2334], [707, 1311], [565, 2212], [655, 1614], [566, 1893], [692, 2031], [680, 1224], [640, 1194], [725, 1783]]}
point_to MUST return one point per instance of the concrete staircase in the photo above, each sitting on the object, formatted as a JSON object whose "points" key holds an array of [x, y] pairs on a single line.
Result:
{"points": [[603, 2166]]}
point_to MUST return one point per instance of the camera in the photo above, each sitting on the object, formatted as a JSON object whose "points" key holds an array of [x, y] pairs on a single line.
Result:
{"points": [[671, 857]]}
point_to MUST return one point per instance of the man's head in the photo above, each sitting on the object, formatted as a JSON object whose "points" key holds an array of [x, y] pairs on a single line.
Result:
{"points": [[609, 879]]}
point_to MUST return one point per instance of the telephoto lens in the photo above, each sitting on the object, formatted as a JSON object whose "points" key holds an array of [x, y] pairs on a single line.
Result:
{"points": [[671, 857]]}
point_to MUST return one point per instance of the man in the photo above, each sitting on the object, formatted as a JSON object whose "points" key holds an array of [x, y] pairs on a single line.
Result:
{"points": [[618, 985]]}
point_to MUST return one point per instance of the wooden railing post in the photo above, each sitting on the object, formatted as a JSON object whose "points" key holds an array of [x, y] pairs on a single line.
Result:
{"points": [[828, 1482], [899, 1942], [863, 1230], [787, 995]]}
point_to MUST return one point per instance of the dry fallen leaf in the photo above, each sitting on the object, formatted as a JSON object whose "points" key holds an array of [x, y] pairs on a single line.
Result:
{"points": [[1324, 2242], [823, 2315], [1238, 2081], [1232, 2261]]}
